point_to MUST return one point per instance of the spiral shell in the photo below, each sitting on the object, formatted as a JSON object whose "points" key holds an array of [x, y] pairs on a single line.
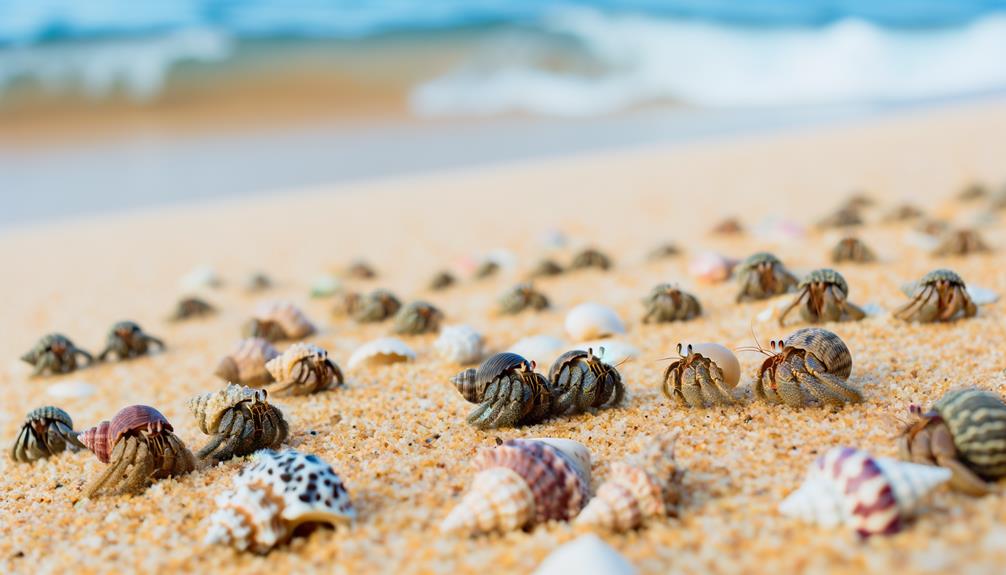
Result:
{"points": [[134, 418], [977, 423], [273, 496], [277, 320], [826, 346], [304, 368], [508, 390], [873, 496], [245, 364], [208, 408], [521, 483], [381, 351], [644, 487], [590, 320], [460, 344]]}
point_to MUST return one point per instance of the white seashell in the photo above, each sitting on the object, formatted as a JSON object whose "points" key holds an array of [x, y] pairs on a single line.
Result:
{"points": [[610, 351], [982, 296], [711, 267], [541, 349], [586, 555], [873, 495], [460, 343], [381, 351], [73, 389], [199, 278], [721, 356], [592, 320], [275, 494], [553, 239], [325, 286]]}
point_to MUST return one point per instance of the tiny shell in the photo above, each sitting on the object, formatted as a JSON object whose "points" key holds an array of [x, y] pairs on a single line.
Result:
{"points": [[586, 555], [541, 349], [982, 296], [460, 344], [592, 320], [273, 496], [199, 278], [70, 389], [711, 267], [381, 351], [610, 351]]}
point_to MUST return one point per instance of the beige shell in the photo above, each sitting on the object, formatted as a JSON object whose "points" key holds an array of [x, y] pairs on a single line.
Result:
{"points": [[289, 317], [644, 487], [288, 369], [208, 408], [381, 351], [721, 356], [592, 320], [245, 364]]}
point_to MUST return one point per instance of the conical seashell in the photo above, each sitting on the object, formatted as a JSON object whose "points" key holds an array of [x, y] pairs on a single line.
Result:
{"points": [[541, 349], [273, 496], [586, 555], [245, 364], [460, 344], [591, 320], [208, 408], [96, 439], [643, 487], [521, 483], [847, 486], [102, 438], [381, 351]]}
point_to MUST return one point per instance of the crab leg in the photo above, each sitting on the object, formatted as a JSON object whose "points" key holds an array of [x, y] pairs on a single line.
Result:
{"points": [[789, 308], [843, 389], [691, 387], [718, 391], [943, 450], [787, 385]]}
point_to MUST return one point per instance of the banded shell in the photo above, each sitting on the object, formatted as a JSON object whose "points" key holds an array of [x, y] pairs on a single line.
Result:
{"points": [[278, 320], [460, 344], [643, 487], [586, 555], [134, 418], [208, 408], [381, 351], [304, 368], [977, 422], [590, 258], [872, 495], [46, 431], [274, 496], [541, 349], [246, 363], [508, 390], [592, 320], [522, 483], [826, 346]]}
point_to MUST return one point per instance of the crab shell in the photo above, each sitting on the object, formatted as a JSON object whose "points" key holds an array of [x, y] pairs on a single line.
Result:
{"points": [[977, 422], [826, 346], [209, 408], [102, 438], [721, 356], [282, 367], [592, 320], [289, 317], [246, 362]]}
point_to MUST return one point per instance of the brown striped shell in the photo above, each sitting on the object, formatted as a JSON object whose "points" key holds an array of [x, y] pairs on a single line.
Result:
{"points": [[134, 418], [977, 422], [826, 346], [276, 320], [245, 364]]}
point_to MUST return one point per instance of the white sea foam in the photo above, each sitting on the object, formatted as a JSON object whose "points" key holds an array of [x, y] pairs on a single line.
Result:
{"points": [[645, 59]]}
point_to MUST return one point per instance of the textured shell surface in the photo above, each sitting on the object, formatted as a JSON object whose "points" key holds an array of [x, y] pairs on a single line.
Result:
{"points": [[461, 344], [73, 389], [498, 364], [50, 412], [585, 555], [541, 349], [593, 320], [287, 315], [273, 495], [826, 346], [826, 276], [721, 356], [418, 317], [103, 437], [977, 422], [381, 351], [246, 362], [288, 366], [208, 408], [847, 486]]}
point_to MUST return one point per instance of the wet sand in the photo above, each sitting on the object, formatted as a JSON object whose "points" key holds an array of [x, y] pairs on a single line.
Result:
{"points": [[397, 434]]}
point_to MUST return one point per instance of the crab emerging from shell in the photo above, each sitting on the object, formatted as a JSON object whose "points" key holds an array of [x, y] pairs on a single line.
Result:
{"points": [[762, 276], [961, 243], [590, 258], [521, 297], [127, 340], [580, 380], [418, 317], [852, 249], [667, 303], [508, 390], [55, 353], [826, 294], [304, 368], [939, 296], [239, 420], [705, 375], [810, 362], [46, 431]]}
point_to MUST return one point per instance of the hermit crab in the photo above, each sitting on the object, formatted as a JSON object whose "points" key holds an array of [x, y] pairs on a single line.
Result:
{"points": [[663, 251], [580, 380], [376, 306], [667, 303], [418, 317], [826, 295], [508, 390], [360, 270], [705, 374], [304, 368], [46, 431], [939, 296], [590, 258], [140, 447], [965, 432], [239, 420], [191, 307], [521, 297], [487, 269], [545, 268], [903, 213], [278, 320], [961, 243], [762, 276], [55, 353], [845, 216], [973, 191], [442, 281], [852, 249], [810, 362], [127, 340]]}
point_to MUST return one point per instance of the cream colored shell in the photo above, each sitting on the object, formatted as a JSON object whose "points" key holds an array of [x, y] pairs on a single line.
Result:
{"points": [[721, 356], [593, 320], [381, 352], [208, 408]]}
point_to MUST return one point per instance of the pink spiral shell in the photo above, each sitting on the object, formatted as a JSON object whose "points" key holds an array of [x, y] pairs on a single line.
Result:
{"points": [[102, 438]]}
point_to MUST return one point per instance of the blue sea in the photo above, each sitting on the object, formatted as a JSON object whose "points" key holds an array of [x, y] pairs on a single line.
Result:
{"points": [[704, 53]]}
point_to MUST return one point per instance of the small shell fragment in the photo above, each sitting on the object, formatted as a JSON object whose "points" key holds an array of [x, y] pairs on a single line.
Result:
{"points": [[592, 320], [460, 344], [382, 351]]}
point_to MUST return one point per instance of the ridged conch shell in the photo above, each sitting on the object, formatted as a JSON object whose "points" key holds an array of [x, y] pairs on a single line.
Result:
{"points": [[245, 364], [585, 555], [208, 408], [541, 349], [102, 438], [521, 483], [273, 496], [290, 319], [460, 343], [643, 487], [381, 351], [872, 495], [592, 320]]}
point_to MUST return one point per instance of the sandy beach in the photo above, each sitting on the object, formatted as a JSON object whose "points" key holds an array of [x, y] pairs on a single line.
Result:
{"points": [[397, 434]]}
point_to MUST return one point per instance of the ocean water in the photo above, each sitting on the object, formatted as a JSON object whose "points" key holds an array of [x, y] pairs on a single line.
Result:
{"points": [[579, 58]]}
